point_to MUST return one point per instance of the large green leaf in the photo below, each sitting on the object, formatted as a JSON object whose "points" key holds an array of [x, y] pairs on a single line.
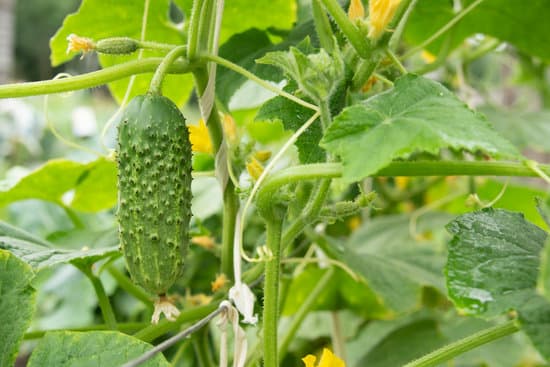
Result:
{"points": [[293, 116], [523, 25], [416, 115], [524, 129], [341, 292], [17, 299], [534, 318], [99, 19], [94, 185], [493, 261], [412, 341], [91, 349], [7, 230], [395, 265], [40, 257]]}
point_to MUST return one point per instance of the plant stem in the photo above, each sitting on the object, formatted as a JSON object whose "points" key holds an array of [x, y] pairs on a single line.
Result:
{"points": [[164, 326], [322, 26], [193, 38], [247, 74], [464, 345], [271, 292], [127, 328], [398, 33], [442, 30], [418, 168], [230, 200], [104, 303], [353, 34], [176, 338], [396, 61], [202, 350], [304, 309], [156, 82], [89, 80], [125, 283], [230, 209]]}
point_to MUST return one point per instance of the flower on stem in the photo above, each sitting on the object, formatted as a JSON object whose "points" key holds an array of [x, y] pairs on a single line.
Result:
{"points": [[328, 359], [200, 140], [77, 44], [164, 305], [206, 242], [229, 128], [381, 13], [254, 168], [356, 11], [220, 282]]}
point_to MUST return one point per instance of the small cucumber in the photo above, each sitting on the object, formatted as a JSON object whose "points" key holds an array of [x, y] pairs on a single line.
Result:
{"points": [[154, 185]]}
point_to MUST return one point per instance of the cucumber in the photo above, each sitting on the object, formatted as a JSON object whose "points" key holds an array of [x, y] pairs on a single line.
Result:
{"points": [[154, 188]]}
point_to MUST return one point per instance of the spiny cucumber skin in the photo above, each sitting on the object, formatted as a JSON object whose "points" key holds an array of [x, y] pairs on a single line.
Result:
{"points": [[154, 186]]}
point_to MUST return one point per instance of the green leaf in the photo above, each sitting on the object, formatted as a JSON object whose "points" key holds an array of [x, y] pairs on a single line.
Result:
{"points": [[241, 15], [40, 257], [416, 115], [395, 265], [293, 116], [525, 27], [93, 348], [493, 261], [7, 230], [534, 317], [412, 341], [94, 185], [342, 292], [524, 129], [124, 18], [17, 302]]}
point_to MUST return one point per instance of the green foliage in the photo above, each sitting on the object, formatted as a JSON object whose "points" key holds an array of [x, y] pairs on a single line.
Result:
{"points": [[523, 26], [94, 348], [93, 185], [124, 19], [417, 115], [17, 302]]}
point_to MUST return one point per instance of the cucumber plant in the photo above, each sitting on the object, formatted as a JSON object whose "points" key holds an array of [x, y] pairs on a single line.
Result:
{"points": [[357, 235]]}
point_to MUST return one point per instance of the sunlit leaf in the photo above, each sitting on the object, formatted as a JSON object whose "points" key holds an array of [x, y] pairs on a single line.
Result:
{"points": [[416, 115], [17, 303], [93, 348], [493, 261], [124, 18]]}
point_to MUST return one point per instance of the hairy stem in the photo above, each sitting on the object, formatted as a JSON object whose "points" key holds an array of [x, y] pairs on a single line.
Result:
{"points": [[418, 168], [164, 326], [90, 80], [104, 303], [271, 292], [353, 34], [125, 283], [462, 346], [158, 77], [304, 309]]}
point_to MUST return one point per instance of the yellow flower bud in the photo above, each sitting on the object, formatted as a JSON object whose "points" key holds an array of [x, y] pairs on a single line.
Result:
{"points": [[262, 155], [356, 10], [220, 282], [381, 13], [200, 140], [229, 128], [254, 168], [77, 43], [205, 242]]}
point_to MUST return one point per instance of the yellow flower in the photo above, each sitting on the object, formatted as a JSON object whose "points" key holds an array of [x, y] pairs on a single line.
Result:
{"points": [[381, 13], [328, 359], [205, 242], [427, 56], [254, 168], [77, 43], [220, 282], [229, 128], [200, 140], [262, 155], [356, 10]]}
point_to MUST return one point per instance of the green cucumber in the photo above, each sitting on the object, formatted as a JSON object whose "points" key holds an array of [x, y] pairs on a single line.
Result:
{"points": [[154, 185]]}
